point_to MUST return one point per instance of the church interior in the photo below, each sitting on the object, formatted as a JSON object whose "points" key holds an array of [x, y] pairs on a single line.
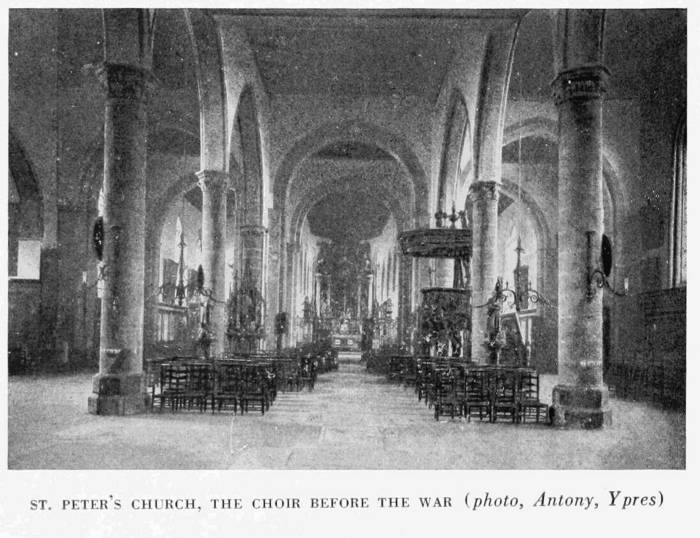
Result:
{"points": [[347, 239]]}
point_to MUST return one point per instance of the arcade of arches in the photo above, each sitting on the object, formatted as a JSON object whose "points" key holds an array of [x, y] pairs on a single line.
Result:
{"points": [[242, 185]]}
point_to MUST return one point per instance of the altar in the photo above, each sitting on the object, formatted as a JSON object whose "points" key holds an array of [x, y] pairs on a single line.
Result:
{"points": [[346, 342]]}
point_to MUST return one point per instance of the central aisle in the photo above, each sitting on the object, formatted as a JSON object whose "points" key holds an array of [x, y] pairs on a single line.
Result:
{"points": [[351, 419]]}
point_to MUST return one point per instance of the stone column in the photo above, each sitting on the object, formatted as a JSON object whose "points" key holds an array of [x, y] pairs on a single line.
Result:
{"points": [[293, 267], [118, 388], [444, 272], [404, 307], [252, 243], [214, 185], [274, 274], [580, 399], [484, 198], [328, 288], [317, 292], [152, 274]]}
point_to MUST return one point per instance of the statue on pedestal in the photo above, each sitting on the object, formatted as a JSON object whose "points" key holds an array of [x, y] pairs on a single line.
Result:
{"points": [[495, 338]]}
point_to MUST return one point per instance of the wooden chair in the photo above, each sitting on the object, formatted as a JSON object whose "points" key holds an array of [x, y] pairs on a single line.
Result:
{"points": [[198, 383], [428, 383], [394, 368], [477, 396], [422, 379], [288, 375], [227, 387], [269, 378], [308, 373], [504, 394], [530, 406], [170, 388], [446, 400], [410, 372], [253, 390]]}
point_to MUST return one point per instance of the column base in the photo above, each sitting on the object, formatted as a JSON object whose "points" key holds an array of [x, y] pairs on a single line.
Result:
{"points": [[581, 407], [117, 394]]}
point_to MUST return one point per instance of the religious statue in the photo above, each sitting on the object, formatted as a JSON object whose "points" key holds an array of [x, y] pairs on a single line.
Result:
{"points": [[493, 325], [368, 265], [494, 309], [326, 310], [204, 312], [463, 219], [308, 310], [204, 340], [388, 308]]}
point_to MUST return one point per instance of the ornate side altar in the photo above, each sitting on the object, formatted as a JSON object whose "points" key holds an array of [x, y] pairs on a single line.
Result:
{"points": [[245, 316]]}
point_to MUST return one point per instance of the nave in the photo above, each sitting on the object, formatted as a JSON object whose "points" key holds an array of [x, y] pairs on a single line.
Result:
{"points": [[491, 189], [351, 420]]}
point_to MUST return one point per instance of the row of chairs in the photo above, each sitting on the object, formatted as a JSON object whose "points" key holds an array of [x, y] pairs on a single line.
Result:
{"points": [[236, 382], [455, 388], [187, 385]]}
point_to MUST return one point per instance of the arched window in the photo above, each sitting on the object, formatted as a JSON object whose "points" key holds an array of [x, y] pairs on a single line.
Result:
{"points": [[679, 210]]}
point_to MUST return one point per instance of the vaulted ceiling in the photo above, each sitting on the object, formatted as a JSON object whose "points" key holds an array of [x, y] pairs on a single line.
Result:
{"points": [[360, 53], [348, 214]]}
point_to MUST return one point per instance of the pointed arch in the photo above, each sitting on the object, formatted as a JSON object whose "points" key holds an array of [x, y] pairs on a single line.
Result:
{"points": [[455, 143], [210, 87], [249, 180]]}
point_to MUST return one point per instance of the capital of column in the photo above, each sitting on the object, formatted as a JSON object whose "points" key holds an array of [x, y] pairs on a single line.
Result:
{"points": [[583, 83], [124, 81], [483, 190], [212, 180]]}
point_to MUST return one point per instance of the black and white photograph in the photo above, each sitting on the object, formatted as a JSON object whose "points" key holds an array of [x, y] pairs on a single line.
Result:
{"points": [[337, 239], [253, 239]]}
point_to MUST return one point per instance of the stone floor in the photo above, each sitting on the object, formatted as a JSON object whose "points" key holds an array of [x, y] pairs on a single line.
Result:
{"points": [[352, 420]]}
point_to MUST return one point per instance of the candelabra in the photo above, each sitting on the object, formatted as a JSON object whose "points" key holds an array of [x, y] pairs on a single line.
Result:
{"points": [[598, 274], [523, 294]]}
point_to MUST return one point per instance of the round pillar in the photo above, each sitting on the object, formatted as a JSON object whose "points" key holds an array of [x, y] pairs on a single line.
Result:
{"points": [[213, 184], [404, 326], [118, 388], [293, 270], [484, 198], [317, 293], [580, 399], [252, 243], [444, 272]]}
